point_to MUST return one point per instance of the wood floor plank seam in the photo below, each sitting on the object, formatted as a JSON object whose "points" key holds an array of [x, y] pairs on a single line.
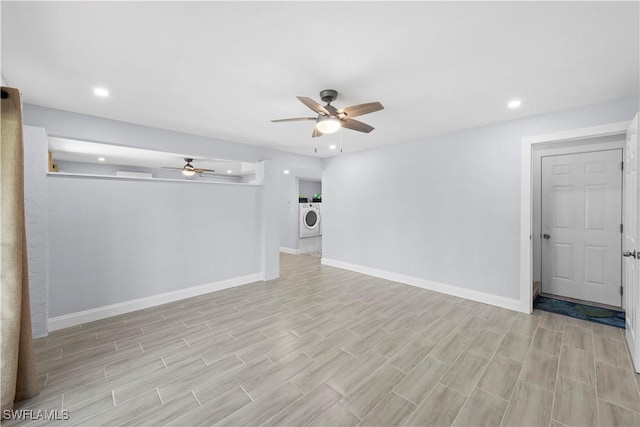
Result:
{"points": [[460, 411], [621, 404], [595, 373], [617, 404], [297, 388], [511, 396], [492, 394], [485, 367], [195, 397], [553, 404], [245, 392], [364, 379], [379, 403]]}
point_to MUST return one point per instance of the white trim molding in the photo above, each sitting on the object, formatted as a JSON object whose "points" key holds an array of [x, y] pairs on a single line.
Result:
{"points": [[141, 178], [457, 291], [289, 251], [98, 313], [526, 197]]}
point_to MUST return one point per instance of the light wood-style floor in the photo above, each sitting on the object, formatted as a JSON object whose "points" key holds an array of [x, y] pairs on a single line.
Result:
{"points": [[328, 347]]}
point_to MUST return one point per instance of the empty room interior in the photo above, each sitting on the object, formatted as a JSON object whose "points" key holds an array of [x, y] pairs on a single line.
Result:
{"points": [[320, 213]]}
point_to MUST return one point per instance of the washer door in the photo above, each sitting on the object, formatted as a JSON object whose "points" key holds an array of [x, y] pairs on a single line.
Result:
{"points": [[311, 219]]}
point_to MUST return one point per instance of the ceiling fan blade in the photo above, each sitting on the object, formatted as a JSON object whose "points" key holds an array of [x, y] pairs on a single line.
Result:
{"points": [[198, 170], [314, 105], [316, 133], [360, 109], [356, 125], [297, 119], [167, 167]]}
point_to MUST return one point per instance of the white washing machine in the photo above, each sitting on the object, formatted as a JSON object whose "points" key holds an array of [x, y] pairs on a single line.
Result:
{"points": [[310, 221]]}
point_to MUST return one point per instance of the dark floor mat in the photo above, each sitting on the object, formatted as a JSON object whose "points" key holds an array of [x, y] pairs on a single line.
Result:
{"points": [[581, 311]]}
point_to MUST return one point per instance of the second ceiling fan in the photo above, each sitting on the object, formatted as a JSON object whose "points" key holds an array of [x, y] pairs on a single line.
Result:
{"points": [[189, 169], [330, 119]]}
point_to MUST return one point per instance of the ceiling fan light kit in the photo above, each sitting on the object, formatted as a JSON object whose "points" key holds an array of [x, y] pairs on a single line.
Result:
{"points": [[328, 124], [189, 169], [330, 119]]}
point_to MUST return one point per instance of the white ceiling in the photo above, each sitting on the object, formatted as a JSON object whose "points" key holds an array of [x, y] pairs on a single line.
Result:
{"points": [[224, 69], [90, 152]]}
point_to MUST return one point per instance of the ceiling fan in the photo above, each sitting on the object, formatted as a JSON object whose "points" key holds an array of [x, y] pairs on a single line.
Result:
{"points": [[189, 169], [330, 119]]}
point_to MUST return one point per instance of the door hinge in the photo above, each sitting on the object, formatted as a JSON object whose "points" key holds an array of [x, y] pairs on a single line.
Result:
{"points": [[622, 165], [621, 290], [621, 228]]}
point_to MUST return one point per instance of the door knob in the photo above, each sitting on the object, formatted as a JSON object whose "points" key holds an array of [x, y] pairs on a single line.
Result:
{"points": [[630, 254], [546, 236]]}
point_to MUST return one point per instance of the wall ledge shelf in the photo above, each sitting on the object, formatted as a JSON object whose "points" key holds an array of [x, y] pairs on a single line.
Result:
{"points": [[127, 178]]}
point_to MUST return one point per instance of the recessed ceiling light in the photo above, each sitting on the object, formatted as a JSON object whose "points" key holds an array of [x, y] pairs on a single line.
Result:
{"points": [[286, 171], [332, 147], [101, 159], [515, 103], [101, 92], [229, 171]]}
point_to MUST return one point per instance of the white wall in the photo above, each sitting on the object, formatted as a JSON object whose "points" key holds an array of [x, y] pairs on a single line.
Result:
{"points": [[35, 203], [289, 212], [443, 209], [114, 240], [268, 173]]}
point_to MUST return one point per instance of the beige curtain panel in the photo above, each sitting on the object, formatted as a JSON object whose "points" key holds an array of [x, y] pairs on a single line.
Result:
{"points": [[19, 376]]}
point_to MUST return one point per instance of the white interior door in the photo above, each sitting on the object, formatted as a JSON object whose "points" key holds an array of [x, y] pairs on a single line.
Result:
{"points": [[631, 242], [581, 217]]}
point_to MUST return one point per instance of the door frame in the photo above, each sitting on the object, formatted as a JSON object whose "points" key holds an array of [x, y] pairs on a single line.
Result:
{"points": [[526, 195]]}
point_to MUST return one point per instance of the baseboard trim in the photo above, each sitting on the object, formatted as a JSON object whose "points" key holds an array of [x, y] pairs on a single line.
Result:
{"points": [[457, 291], [98, 313], [289, 251]]}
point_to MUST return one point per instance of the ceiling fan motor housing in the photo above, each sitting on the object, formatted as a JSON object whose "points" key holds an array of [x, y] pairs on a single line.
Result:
{"points": [[328, 95]]}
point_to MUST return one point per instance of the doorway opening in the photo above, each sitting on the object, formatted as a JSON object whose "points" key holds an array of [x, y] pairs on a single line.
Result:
{"points": [[530, 231], [577, 217], [310, 217], [300, 211]]}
